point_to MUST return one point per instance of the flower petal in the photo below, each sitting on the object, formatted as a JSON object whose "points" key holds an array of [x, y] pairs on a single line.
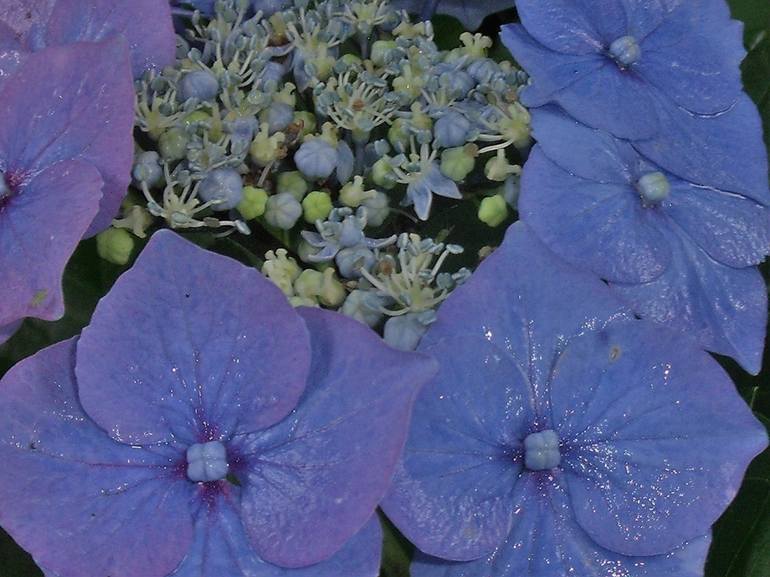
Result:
{"points": [[725, 151], [516, 300], [79, 502], [451, 495], [221, 548], [191, 345], [732, 229], [37, 238], [724, 308], [652, 463], [152, 44], [73, 102], [314, 480], [604, 228], [572, 26]]}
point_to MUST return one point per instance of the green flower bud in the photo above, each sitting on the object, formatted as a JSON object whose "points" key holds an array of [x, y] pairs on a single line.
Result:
{"points": [[498, 169], [282, 270], [398, 133], [493, 210], [115, 245], [172, 144], [380, 50], [316, 206], [253, 203], [302, 302], [353, 193], [308, 284], [382, 174], [293, 183], [197, 116], [308, 121], [266, 148], [457, 163], [332, 293]]}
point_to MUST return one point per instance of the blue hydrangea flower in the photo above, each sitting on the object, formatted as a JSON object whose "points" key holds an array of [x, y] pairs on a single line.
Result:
{"points": [[681, 252], [563, 437], [57, 163], [34, 24], [607, 62], [469, 12], [224, 424]]}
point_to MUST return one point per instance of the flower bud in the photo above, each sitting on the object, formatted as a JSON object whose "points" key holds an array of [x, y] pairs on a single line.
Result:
{"points": [[353, 193], [457, 163], [253, 203], [382, 174], [332, 292], [224, 187], [351, 260], [115, 245], [316, 159], [147, 169], [380, 51], [308, 121], [498, 169], [493, 210], [377, 208], [199, 84], [282, 211], [293, 183], [451, 130], [282, 270], [405, 332], [308, 284], [363, 306], [266, 148], [172, 144], [316, 206]]}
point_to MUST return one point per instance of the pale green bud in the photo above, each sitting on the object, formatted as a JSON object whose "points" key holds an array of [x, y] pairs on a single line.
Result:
{"points": [[115, 245], [282, 270], [308, 284], [316, 206], [382, 174], [308, 121], [292, 182], [380, 49], [253, 203], [353, 193], [498, 168], [457, 163], [493, 210], [332, 292], [172, 144]]}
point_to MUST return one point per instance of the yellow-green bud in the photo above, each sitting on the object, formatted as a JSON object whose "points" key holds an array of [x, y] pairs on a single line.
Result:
{"points": [[498, 169], [382, 174], [253, 203], [308, 121], [398, 133], [493, 210], [266, 148], [197, 116], [282, 270], [332, 293], [353, 193], [293, 183], [115, 245], [316, 206], [457, 163], [380, 49], [172, 144], [308, 284]]}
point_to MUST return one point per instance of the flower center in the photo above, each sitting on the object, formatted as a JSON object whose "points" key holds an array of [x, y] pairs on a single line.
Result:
{"points": [[653, 187], [207, 462], [625, 51], [541, 450]]}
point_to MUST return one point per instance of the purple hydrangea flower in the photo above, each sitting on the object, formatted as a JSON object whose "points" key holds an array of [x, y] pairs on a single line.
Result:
{"points": [[65, 140], [34, 24], [562, 437], [680, 252], [606, 62], [223, 424]]}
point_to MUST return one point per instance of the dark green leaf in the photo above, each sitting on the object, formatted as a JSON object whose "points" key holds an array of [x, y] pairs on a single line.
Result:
{"points": [[396, 551]]}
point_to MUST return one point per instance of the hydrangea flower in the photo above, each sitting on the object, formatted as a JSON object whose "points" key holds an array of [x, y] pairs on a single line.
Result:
{"points": [[31, 25], [679, 251], [563, 437], [470, 13], [223, 424], [66, 133], [606, 62]]}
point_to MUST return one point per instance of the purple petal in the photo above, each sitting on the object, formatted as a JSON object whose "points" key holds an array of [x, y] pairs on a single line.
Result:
{"points": [[419, 194], [694, 148], [723, 308], [440, 184], [550, 71], [451, 495], [22, 15], [572, 26], [221, 548], [695, 65], [517, 300], [604, 228], [546, 542], [41, 223], [652, 463], [314, 480], [79, 502], [731, 229], [191, 345], [152, 43], [72, 102]]}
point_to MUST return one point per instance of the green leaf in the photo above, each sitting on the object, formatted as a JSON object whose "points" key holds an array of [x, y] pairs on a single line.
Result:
{"points": [[755, 15], [14, 562], [396, 551]]}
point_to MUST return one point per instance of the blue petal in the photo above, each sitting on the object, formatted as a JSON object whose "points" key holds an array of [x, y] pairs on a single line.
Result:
{"points": [[652, 463], [440, 184], [419, 194], [731, 229], [222, 549], [725, 151], [451, 494], [169, 354], [311, 482], [599, 227], [469, 12], [724, 308], [106, 506], [517, 300]]}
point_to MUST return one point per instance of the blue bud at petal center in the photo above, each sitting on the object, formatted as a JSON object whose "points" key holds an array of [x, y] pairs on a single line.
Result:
{"points": [[541, 450], [653, 187], [207, 462], [625, 51]]}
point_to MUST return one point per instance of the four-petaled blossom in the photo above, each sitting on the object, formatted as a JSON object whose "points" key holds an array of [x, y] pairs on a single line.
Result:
{"points": [[680, 252], [563, 437], [200, 426], [66, 132]]}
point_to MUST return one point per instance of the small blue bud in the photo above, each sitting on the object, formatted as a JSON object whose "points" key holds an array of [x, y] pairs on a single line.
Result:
{"points": [[541, 451], [224, 185], [483, 69], [316, 159], [278, 116], [147, 169], [451, 130], [283, 211], [351, 260], [207, 462], [406, 331], [199, 84], [653, 187], [625, 51]]}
